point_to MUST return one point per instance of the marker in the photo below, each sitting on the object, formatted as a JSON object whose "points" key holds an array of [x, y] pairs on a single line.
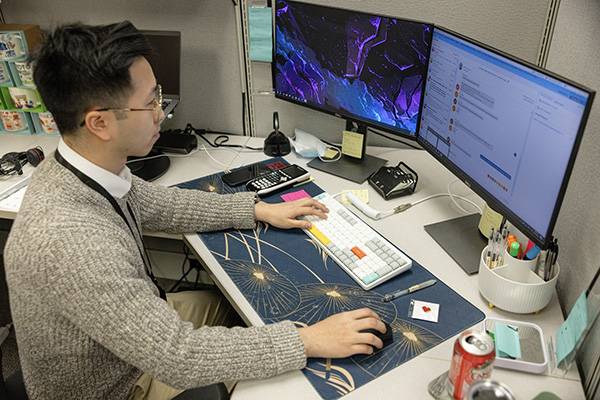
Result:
{"points": [[514, 249], [532, 253], [509, 240], [394, 295]]}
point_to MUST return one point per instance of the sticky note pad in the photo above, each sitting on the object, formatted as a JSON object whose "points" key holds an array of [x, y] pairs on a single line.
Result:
{"points": [[571, 330], [261, 33], [362, 194], [352, 144], [489, 219], [300, 194], [330, 154], [507, 341]]}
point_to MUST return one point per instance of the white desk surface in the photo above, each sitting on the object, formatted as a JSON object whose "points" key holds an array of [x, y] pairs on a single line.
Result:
{"points": [[410, 379]]}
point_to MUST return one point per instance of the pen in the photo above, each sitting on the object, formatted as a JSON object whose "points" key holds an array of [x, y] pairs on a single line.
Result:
{"points": [[551, 257], [394, 295]]}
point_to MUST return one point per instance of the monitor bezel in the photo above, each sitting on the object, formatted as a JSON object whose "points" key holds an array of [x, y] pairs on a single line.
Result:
{"points": [[164, 34], [491, 201], [370, 124]]}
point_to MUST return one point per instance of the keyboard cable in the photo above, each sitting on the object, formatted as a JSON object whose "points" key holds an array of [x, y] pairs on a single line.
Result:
{"points": [[376, 214]]}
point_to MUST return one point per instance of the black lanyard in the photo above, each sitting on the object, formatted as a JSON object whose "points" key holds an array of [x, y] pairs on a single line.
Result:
{"points": [[98, 188]]}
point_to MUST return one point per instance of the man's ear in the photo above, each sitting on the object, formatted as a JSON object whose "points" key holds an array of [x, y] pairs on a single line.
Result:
{"points": [[98, 124]]}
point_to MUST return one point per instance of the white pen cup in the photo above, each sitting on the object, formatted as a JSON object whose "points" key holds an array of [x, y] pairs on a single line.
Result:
{"points": [[514, 286]]}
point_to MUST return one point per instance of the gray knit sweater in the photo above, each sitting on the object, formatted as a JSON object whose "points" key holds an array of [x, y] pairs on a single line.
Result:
{"points": [[88, 319]]}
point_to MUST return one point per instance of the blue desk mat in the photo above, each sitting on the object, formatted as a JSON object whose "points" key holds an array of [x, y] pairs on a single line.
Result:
{"points": [[285, 276]]}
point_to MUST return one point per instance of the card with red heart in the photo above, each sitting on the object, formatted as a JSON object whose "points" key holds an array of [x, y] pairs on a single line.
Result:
{"points": [[424, 310]]}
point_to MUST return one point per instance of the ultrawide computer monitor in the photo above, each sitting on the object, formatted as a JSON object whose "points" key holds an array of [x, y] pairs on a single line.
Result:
{"points": [[508, 129], [363, 67], [368, 69]]}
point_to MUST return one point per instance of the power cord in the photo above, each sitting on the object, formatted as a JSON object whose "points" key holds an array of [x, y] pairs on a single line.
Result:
{"points": [[376, 214], [220, 140], [194, 265], [4, 332]]}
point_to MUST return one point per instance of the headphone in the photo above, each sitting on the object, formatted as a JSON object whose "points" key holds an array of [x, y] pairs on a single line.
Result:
{"points": [[12, 163]]}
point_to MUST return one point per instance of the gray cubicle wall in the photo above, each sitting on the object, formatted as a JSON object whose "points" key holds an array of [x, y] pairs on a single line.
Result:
{"points": [[211, 83], [514, 26], [574, 53]]}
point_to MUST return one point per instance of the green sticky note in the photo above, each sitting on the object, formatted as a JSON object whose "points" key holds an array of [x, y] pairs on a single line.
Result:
{"points": [[507, 341], [571, 330], [261, 33]]}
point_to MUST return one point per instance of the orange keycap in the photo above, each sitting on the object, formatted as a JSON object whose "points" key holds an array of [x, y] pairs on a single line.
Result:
{"points": [[359, 253]]}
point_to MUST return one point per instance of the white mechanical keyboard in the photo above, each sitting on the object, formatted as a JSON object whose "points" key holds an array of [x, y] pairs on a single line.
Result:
{"points": [[364, 254]]}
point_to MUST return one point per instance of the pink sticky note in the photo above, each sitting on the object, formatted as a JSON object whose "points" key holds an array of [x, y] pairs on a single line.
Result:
{"points": [[300, 194]]}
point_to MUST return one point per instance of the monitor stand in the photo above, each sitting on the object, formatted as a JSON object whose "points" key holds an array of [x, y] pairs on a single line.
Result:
{"points": [[461, 239], [350, 168], [150, 167]]}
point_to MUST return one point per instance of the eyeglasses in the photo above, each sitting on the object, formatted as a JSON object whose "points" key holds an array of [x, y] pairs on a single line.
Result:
{"points": [[156, 106]]}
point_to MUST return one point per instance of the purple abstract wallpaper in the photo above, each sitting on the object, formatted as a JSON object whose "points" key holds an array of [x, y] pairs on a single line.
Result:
{"points": [[358, 65]]}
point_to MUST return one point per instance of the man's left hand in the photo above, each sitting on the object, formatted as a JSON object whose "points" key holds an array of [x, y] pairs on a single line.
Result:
{"points": [[283, 215]]}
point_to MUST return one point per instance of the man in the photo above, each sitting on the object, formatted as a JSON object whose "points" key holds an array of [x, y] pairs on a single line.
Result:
{"points": [[88, 317]]}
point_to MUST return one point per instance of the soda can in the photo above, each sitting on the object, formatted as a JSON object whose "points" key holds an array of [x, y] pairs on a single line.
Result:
{"points": [[490, 390], [472, 361]]}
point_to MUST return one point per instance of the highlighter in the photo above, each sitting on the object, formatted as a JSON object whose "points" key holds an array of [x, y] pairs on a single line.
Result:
{"points": [[514, 249], [509, 241]]}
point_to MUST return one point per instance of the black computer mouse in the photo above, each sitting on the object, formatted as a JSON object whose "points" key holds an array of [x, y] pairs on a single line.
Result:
{"points": [[386, 338]]}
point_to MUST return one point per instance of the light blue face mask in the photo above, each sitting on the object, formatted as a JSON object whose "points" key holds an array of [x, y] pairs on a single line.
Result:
{"points": [[306, 145]]}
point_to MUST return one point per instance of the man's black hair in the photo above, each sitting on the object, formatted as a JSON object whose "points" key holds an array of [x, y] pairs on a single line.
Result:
{"points": [[79, 68]]}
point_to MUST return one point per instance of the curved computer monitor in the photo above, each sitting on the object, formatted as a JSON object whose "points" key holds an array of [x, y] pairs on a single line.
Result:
{"points": [[366, 68], [508, 129]]}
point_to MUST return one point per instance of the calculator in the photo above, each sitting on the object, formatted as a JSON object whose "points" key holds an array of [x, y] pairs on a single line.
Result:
{"points": [[277, 180]]}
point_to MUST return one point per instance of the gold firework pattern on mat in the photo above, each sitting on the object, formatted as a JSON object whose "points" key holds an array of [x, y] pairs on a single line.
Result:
{"points": [[339, 378], [323, 254], [320, 300], [271, 294], [253, 245], [212, 183], [410, 340]]}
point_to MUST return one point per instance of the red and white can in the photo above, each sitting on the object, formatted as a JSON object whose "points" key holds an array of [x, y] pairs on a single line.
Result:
{"points": [[472, 360]]}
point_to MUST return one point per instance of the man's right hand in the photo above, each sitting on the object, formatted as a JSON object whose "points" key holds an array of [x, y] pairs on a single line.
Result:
{"points": [[339, 335]]}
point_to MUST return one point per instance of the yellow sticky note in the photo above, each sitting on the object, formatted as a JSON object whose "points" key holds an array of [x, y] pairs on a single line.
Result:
{"points": [[310, 179], [489, 219], [352, 144], [330, 154], [362, 194]]}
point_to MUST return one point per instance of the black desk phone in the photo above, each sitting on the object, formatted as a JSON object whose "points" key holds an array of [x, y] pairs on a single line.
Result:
{"points": [[392, 182]]}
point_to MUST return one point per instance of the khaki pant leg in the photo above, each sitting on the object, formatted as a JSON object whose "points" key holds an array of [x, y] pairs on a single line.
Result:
{"points": [[200, 307]]}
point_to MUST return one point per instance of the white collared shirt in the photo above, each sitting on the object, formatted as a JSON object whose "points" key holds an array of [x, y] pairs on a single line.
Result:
{"points": [[116, 185]]}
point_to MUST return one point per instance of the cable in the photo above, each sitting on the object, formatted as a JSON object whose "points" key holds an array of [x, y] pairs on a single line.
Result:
{"points": [[4, 332], [12, 163], [226, 166], [237, 154], [376, 214], [406, 206], [184, 273], [452, 196], [222, 139]]}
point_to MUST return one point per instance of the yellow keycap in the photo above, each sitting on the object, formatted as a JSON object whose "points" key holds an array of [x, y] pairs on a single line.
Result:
{"points": [[319, 235]]}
